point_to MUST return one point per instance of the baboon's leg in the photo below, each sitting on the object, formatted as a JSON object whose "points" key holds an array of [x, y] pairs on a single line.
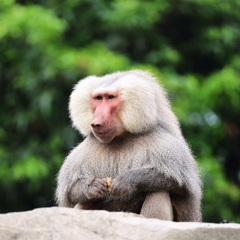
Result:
{"points": [[157, 205]]}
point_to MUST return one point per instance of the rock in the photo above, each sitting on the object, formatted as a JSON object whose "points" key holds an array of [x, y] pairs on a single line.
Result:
{"points": [[68, 224]]}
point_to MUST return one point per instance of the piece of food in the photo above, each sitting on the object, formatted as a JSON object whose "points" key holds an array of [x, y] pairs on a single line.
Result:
{"points": [[108, 181]]}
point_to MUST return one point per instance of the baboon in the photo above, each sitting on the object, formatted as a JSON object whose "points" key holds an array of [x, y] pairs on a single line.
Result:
{"points": [[133, 137]]}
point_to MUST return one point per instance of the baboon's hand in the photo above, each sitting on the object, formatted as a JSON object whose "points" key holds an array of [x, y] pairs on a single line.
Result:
{"points": [[98, 188], [120, 187]]}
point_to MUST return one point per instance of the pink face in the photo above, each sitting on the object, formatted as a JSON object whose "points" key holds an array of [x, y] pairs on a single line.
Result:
{"points": [[106, 123]]}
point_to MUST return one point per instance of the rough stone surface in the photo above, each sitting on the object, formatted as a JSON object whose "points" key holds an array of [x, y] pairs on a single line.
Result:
{"points": [[65, 223]]}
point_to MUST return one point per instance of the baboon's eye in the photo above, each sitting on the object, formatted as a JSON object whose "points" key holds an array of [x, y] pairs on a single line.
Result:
{"points": [[98, 97], [111, 96]]}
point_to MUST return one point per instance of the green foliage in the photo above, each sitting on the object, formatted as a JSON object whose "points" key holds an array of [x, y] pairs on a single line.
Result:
{"points": [[134, 14], [46, 46], [95, 60]]}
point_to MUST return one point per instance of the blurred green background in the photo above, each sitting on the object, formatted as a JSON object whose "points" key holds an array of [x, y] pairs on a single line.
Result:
{"points": [[192, 46]]}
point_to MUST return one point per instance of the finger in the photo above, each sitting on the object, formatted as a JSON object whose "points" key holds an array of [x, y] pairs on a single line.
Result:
{"points": [[96, 193], [101, 182]]}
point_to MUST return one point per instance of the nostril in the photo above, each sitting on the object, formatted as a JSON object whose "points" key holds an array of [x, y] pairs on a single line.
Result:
{"points": [[95, 125]]}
